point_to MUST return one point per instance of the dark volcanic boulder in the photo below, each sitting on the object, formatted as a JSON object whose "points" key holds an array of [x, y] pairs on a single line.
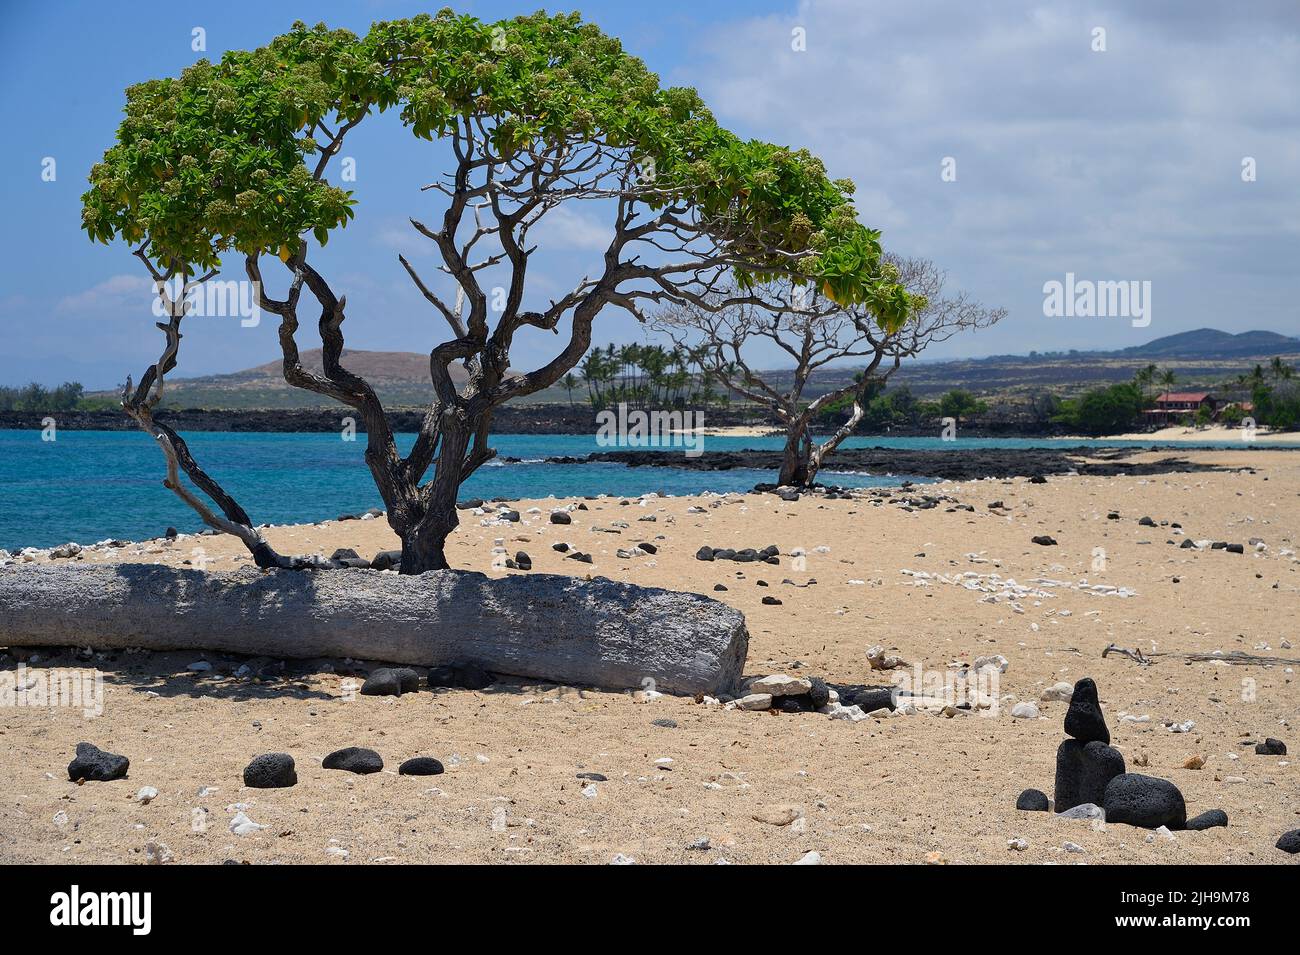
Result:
{"points": [[1083, 720], [464, 677], [1289, 841], [354, 759], [92, 763], [1032, 800], [1271, 747], [1083, 771], [820, 694], [420, 766], [1208, 820], [870, 698], [561, 517], [704, 553], [1044, 540], [391, 681], [387, 560], [270, 771], [1144, 801]]}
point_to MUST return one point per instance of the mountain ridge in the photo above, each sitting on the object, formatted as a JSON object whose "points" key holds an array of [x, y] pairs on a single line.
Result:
{"points": [[402, 378]]}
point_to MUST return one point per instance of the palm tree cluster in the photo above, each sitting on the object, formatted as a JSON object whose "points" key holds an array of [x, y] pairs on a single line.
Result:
{"points": [[646, 377]]}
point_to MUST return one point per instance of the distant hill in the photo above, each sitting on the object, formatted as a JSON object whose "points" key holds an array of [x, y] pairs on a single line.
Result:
{"points": [[1203, 357], [400, 379], [1212, 343]]}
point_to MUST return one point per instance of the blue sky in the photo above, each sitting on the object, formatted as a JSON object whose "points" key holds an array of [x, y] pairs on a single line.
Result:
{"points": [[1122, 164]]}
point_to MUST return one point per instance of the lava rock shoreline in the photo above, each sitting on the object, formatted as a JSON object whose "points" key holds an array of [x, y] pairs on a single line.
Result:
{"points": [[949, 465]]}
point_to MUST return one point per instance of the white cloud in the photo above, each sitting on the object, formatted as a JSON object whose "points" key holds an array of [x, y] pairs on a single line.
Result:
{"points": [[1121, 164], [114, 293], [565, 227]]}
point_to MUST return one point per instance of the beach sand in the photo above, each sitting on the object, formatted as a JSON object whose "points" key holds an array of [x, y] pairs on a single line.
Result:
{"points": [[893, 790], [1260, 437]]}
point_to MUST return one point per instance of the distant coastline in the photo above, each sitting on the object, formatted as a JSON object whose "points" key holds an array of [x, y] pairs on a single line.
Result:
{"points": [[577, 419]]}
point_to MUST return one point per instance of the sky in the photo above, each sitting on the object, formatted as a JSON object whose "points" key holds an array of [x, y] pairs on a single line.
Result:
{"points": [[1013, 143]]}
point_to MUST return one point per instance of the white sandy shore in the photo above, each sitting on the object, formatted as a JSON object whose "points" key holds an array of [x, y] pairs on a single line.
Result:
{"points": [[1262, 436], [892, 790]]}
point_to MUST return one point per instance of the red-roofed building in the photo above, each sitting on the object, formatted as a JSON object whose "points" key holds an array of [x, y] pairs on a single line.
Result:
{"points": [[1176, 405]]}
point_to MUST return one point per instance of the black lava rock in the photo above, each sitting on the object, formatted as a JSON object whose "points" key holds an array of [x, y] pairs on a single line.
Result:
{"points": [[870, 698], [420, 766], [465, 676], [1038, 479], [1208, 820], [719, 587], [820, 694], [792, 704], [391, 681], [1271, 747], [1235, 549], [523, 561], [772, 601], [92, 763], [387, 560], [561, 517], [1289, 841], [594, 777], [270, 771], [580, 557], [1032, 800], [560, 546], [344, 553], [354, 759], [1144, 801], [1186, 545], [1146, 522], [1083, 720], [665, 723], [511, 516], [1044, 540], [1083, 771], [648, 548]]}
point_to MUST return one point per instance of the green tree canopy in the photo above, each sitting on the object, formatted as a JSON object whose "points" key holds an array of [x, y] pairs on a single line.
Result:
{"points": [[225, 156]]}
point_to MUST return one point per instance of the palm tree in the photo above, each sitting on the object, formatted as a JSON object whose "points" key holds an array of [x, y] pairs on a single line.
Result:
{"points": [[569, 383], [1143, 379], [1167, 378]]}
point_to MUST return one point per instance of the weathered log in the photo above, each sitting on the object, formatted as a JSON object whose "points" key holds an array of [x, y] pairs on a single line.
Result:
{"points": [[561, 629]]}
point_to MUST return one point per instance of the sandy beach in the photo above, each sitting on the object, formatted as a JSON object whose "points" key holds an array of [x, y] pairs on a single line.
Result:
{"points": [[901, 789], [1259, 436]]}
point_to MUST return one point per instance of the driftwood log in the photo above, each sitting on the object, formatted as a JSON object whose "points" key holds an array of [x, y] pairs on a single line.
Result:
{"points": [[600, 633]]}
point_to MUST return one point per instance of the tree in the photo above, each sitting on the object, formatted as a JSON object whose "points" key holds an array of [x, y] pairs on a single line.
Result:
{"points": [[815, 332], [1103, 410], [959, 403], [36, 397], [1144, 378], [539, 112], [569, 383]]}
